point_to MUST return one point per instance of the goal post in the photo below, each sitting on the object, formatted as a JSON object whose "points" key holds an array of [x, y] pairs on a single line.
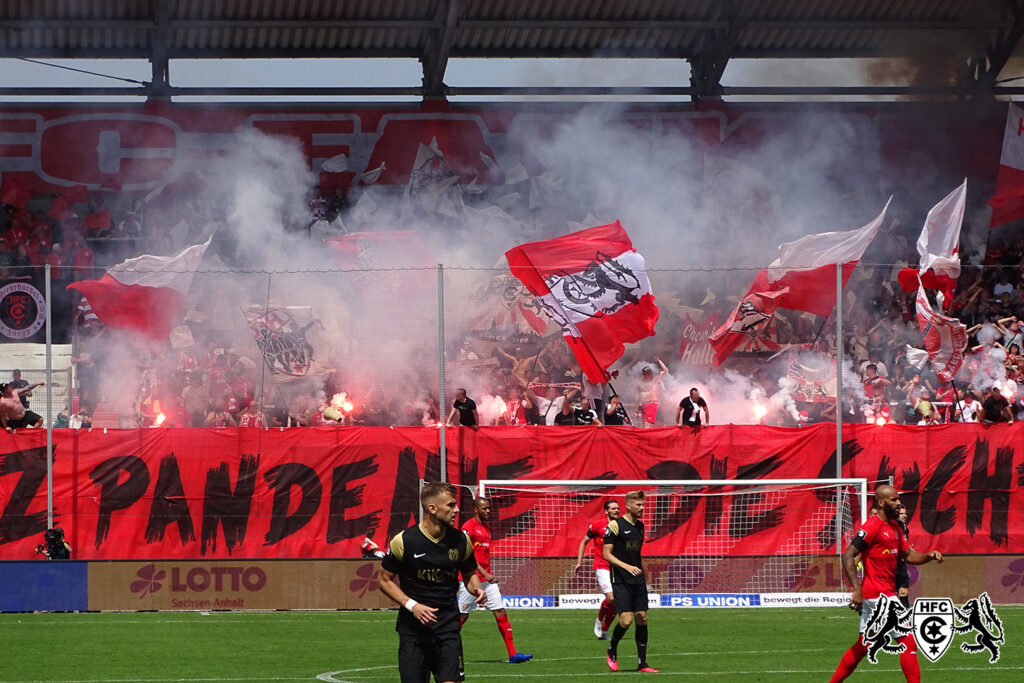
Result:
{"points": [[721, 542]]}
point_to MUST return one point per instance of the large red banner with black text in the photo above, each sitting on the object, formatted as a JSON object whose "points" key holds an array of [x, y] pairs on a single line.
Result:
{"points": [[246, 493]]}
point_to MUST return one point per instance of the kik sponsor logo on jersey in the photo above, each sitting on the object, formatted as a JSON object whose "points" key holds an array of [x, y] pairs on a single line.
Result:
{"points": [[935, 622], [436, 575]]}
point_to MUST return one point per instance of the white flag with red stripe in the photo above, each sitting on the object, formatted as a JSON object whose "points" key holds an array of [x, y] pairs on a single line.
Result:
{"points": [[143, 294], [944, 338], [594, 285], [1008, 201]]}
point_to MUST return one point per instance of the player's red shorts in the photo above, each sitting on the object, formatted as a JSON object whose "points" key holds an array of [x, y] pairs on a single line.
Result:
{"points": [[649, 412]]}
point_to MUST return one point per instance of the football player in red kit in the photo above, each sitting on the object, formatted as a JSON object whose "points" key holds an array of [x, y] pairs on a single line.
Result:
{"points": [[880, 543], [479, 532], [602, 570]]}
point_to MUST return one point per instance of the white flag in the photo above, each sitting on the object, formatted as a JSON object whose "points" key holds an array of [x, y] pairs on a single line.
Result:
{"points": [[940, 236]]}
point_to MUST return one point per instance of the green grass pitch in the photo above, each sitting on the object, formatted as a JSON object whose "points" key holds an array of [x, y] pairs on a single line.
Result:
{"points": [[695, 645]]}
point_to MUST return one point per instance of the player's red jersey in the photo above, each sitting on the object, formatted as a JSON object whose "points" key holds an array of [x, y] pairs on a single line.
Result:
{"points": [[885, 541], [480, 535], [596, 534]]}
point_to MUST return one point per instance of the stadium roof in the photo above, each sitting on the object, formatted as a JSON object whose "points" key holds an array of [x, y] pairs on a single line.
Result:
{"points": [[974, 38]]}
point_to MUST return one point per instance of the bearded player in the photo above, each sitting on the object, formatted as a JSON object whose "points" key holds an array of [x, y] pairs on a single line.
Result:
{"points": [[479, 531], [623, 544], [427, 559], [602, 570], [880, 543]]}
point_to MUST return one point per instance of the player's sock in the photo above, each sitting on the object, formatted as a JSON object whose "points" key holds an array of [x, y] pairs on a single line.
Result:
{"points": [[905, 601], [463, 618], [506, 633], [617, 634], [641, 645], [608, 607], [908, 660], [849, 661]]}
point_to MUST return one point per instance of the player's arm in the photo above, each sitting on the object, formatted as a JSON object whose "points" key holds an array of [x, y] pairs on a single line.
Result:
{"points": [[914, 557], [579, 553], [850, 570], [610, 537], [389, 567], [468, 569]]}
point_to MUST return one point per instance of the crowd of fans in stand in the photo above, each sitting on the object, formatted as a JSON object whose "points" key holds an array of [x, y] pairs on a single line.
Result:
{"points": [[208, 384]]}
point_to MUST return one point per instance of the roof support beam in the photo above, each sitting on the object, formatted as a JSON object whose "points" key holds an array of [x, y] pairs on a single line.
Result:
{"points": [[439, 47], [708, 65], [160, 84]]}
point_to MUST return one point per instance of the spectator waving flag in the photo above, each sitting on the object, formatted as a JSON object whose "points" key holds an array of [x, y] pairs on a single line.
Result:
{"points": [[594, 284], [802, 278], [143, 294], [944, 338], [938, 246]]}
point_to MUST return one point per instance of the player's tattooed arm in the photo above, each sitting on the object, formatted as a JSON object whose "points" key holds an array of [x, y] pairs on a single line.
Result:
{"points": [[850, 570]]}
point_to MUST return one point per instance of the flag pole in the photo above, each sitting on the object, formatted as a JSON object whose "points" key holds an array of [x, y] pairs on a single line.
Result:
{"points": [[839, 398], [49, 401], [443, 449]]}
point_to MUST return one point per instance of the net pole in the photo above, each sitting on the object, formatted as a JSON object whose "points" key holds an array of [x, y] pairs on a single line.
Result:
{"points": [[441, 403], [839, 400], [49, 401]]}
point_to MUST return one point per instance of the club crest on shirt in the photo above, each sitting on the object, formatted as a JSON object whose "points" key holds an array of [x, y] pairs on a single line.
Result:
{"points": [[453, 554]]}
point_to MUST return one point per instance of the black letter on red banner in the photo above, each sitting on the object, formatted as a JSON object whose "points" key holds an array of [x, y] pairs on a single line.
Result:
{"points": [[14, 523], [228, 509], [114, 496], [405, 503], [281, 479], [344, 498], [934, 520], [169, 504], [994, 487]]}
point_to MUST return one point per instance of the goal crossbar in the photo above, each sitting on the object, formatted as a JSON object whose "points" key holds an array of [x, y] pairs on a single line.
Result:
{"points": [[859, 483]]}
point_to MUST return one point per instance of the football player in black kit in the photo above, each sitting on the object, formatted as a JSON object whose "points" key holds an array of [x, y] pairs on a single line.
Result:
{"points": [[427, 559], [623, 544]]}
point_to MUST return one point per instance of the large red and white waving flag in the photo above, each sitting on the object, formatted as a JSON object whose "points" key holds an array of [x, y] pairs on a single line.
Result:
{"points": [[938, 245], [802, 278], [1008, 201], [808, 267], [143, 294], [944, 339], [594, 285]]}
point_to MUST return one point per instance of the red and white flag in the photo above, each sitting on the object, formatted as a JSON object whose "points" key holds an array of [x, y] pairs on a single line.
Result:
{"points": [[808, 267], [1008, 201], [750, 320], [802, 278], [938, 245], [143, 294], [594, 285], [944, 338]]}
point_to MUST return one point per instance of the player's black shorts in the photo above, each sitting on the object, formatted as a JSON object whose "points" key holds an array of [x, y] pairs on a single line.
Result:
{"points": [[423, 652], [902, 577], [630, 597]]}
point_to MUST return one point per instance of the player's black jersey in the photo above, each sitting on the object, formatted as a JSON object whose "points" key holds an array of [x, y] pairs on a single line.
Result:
{"points": [[902, 573], [627, 542], [428, 571]]}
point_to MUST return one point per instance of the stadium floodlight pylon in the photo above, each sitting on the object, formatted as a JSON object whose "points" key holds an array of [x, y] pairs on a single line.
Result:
{"points": [[720, 542]]}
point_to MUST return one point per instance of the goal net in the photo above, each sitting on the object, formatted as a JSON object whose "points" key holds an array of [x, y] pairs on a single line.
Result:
{"points": [[708, 543]]}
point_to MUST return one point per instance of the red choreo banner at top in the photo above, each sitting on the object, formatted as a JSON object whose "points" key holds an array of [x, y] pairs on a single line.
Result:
{"points": [[246, 493]]}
